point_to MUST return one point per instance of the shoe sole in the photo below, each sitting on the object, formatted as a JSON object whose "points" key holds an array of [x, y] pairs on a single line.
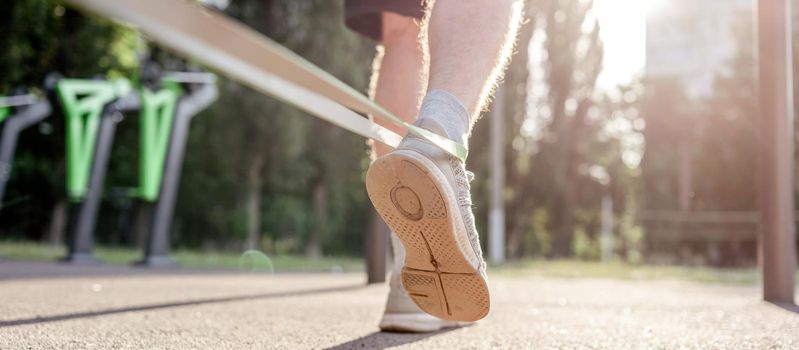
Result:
{"points": [[415, 323], [417, 203]]}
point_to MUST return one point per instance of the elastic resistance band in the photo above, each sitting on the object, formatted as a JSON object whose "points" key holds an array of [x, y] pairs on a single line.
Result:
{"points": [[250, 58]]}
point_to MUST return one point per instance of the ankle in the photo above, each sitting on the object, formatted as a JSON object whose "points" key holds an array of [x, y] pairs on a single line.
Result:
{"points": [[444, 114]]}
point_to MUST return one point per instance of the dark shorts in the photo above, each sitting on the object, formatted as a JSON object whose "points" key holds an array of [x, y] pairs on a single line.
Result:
{"points": [[364, 16]]}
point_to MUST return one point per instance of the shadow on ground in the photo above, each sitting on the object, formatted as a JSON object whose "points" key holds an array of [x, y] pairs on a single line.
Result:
{"points": [[384, 340], [790, 307], [148, 307], [13, 270]]}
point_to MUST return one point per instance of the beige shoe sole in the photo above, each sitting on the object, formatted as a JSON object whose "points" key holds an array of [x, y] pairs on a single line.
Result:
{"points": [[441, 270]]}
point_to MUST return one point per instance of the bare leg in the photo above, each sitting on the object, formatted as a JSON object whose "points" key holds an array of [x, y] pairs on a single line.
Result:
{"points": [[470, 42], [398, 78], [397, 84]]}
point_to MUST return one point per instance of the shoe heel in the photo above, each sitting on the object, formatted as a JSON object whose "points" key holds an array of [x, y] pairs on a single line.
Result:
{"points": [[449, 296], [467, 296], [424, 288]]}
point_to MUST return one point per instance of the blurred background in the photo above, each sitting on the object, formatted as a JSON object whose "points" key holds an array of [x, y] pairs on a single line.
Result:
{"points": [[629, 137]]}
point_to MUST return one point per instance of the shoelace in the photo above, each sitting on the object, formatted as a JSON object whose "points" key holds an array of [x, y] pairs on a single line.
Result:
{"points": [[469, 176]]}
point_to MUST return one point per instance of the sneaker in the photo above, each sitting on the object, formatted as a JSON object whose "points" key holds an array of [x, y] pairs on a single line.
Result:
{"points": [[423, 195], [402, 315]]}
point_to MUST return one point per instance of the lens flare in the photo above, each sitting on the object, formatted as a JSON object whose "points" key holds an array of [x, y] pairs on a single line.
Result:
{"points": [[255, 261]]}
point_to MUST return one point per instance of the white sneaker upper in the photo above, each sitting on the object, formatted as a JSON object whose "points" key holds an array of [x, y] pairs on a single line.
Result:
{"points": [[459, 179]]}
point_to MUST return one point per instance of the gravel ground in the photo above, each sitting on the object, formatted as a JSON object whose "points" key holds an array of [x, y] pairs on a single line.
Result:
{"points": [[49, 306]]}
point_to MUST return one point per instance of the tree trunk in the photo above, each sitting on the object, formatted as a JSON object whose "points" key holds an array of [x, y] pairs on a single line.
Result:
{"points": [[254, 186], [685, 183], [563, 230], [376, 248], [141, 225], [515, 240], [55, 231], [314, 250]]}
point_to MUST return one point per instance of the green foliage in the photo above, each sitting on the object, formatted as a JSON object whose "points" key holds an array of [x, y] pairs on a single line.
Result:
{"points": [[38, 37], [621, 270], [584, 247], [537, 243], [41, 36], [247, 143], [564, 151], [195, 259], [633, 237]]}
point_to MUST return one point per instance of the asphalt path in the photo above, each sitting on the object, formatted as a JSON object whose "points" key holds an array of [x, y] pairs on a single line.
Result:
{"points": [[52, 306]]}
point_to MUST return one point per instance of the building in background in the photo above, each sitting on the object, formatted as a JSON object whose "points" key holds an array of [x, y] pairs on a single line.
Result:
{"points": [[690, 206], [691, 40]]}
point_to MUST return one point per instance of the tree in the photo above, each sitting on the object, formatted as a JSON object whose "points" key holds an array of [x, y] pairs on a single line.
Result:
{"points": [[38, 37], [563, 153], [295, 193]]}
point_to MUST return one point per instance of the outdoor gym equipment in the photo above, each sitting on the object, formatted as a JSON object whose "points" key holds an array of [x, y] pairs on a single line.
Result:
{"points": [[777, 147], [245, 55], [92, 109], [28, 110], [165, 127]]}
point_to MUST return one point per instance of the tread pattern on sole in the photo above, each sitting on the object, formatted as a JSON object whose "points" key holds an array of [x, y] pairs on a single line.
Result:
{"points": [[437, 276]]}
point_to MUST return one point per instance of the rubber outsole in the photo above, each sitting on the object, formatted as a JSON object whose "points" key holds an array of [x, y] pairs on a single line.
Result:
{"points": [[441, 270], [416, 323]]}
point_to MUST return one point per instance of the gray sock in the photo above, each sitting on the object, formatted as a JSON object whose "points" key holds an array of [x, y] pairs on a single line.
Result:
{"points": [[443, 114]]}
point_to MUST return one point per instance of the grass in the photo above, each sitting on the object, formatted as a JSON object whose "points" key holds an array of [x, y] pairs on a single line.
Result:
{"points": [[29, 251], [249, 261], [621, 270]]}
